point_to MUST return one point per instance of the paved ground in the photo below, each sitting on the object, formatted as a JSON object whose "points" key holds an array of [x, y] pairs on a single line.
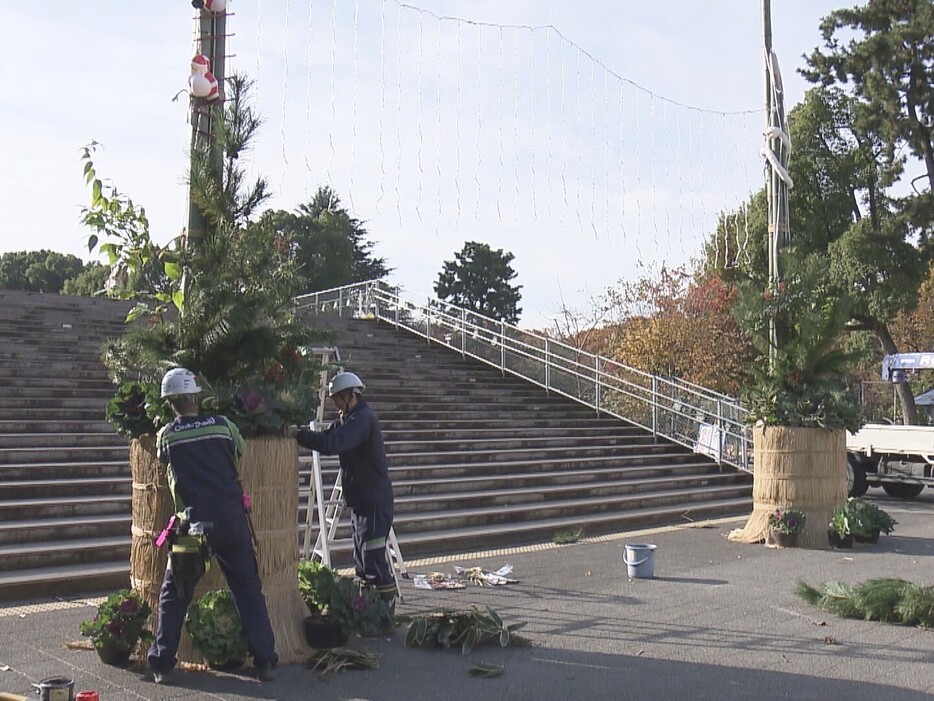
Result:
{"points": [[720, 621]]}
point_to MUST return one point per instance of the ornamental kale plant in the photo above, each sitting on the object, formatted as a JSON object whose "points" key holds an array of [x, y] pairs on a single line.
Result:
{"points": [[120, 621], [788, 521]]}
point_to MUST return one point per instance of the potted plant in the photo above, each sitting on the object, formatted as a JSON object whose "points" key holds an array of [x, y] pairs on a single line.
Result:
{"points": [[216, 631], [785, 524], [867, 520], [838, 530], [340, 606], [325, 625], [797, 396], [118, 627]]}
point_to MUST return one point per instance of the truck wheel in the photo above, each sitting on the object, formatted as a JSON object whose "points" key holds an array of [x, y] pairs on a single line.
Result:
{"points": [[855, 476], [901, 490]]}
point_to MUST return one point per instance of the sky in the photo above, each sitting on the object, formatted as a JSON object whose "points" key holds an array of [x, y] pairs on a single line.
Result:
{"points": [[593, 139]]}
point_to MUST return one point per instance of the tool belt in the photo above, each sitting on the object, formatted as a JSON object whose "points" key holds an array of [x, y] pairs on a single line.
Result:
{"points": [[189, 551]]}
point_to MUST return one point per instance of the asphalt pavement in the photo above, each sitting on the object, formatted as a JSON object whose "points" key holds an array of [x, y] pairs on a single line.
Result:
{"points": [[719, 621]]}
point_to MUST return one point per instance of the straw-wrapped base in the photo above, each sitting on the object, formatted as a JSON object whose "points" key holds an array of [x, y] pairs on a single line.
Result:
{"points": [[269, 472], [800, 468], [152, 507]]}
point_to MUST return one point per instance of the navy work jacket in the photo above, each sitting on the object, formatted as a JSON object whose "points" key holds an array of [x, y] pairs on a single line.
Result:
{"points": [[358, 441]]}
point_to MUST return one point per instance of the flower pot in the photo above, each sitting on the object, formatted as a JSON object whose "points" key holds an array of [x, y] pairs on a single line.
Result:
{"points": [[113, 655], [322, 633], [226, 665], [840, 542], [784, 540], [871, 538]]}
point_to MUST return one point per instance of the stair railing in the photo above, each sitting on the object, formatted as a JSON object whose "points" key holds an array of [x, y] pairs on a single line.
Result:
{"points": [[698, 418]]}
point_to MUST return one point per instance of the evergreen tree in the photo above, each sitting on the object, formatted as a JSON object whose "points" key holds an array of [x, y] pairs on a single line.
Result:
{"points": [[479, 278]]}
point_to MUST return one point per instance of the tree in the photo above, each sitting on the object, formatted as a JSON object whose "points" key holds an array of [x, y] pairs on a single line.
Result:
{"points": [[882, 54], [37, 271], [89, 282], [479, 278], [675, 325], [327, 247], [841, 208], [884, 51]]}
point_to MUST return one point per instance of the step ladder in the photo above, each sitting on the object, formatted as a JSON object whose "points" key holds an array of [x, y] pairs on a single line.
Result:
{"points": [[329, 511]]}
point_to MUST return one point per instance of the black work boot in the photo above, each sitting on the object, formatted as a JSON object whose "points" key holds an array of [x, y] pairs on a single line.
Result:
{"points": [[265, 671]]}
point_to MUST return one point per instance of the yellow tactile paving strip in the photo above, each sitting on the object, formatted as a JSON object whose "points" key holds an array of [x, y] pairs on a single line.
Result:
{"points": [[23, 611]]}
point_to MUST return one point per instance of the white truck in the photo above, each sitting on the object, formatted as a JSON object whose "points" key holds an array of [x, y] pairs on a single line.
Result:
{"points": [[897, 458]]}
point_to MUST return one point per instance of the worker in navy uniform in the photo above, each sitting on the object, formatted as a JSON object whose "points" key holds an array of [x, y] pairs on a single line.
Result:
{"points": [[358, 441], [201, 454]]}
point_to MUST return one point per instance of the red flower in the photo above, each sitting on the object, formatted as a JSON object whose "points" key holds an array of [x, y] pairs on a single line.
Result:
{"points": [[128, 607]]}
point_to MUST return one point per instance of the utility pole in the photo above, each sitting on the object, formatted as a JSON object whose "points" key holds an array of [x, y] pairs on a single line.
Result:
{"points": [[212, 35], [777, 182]]}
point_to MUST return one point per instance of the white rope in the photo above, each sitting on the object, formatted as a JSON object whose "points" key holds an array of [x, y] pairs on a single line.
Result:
{"points": [[418, 121], [667, 174], [680, 182], [577, 124], [308, 73], [593, 149], [622, 161], [457, 130], [499, 132], [438, 132], [476, 175], [515, 123], [606, 157], [532, 148], [333, 93], [564, 145], [382, 102], [548, 121], [353, 106], [398, 116], [285, 90]]}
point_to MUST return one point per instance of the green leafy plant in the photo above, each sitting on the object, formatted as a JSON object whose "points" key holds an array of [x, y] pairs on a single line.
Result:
{"points": [[570, 535], [120, 621], [464, 629], [801, 381], [359, 609], [215, 628], [137, 409], [788, 521], [840, 522], [866, 518]]}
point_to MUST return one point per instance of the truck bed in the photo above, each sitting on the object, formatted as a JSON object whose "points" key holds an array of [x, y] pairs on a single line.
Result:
{"points": [[874, 439]]}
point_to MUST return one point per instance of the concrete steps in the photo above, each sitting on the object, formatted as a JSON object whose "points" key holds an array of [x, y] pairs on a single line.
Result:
{"points": [[477, 459]]}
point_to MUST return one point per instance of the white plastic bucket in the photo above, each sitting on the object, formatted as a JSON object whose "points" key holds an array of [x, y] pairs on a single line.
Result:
{"points": [[640, 560]]}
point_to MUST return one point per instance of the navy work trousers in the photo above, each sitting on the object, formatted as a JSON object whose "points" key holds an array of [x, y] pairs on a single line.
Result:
{"points": [[370, 527], [233, 548]]}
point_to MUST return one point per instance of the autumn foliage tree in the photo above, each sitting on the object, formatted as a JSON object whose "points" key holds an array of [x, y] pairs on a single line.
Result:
{"points": [[671, 323]]}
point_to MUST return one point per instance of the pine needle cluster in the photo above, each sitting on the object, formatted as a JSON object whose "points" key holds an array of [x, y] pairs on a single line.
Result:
{"points": [[885, 599]]}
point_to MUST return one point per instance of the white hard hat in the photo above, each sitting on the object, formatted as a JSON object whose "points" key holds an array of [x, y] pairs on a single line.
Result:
{"points": [[179, 381], [345, 380]]}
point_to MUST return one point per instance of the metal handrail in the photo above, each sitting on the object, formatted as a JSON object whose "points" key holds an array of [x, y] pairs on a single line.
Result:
{"points": [[705, 421]]}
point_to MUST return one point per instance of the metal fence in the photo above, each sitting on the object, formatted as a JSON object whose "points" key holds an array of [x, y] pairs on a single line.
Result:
{"points": [[693, 416]]}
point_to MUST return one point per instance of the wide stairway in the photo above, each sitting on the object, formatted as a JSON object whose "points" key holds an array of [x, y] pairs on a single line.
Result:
{"points": [[477, 459], [64, 476]]}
